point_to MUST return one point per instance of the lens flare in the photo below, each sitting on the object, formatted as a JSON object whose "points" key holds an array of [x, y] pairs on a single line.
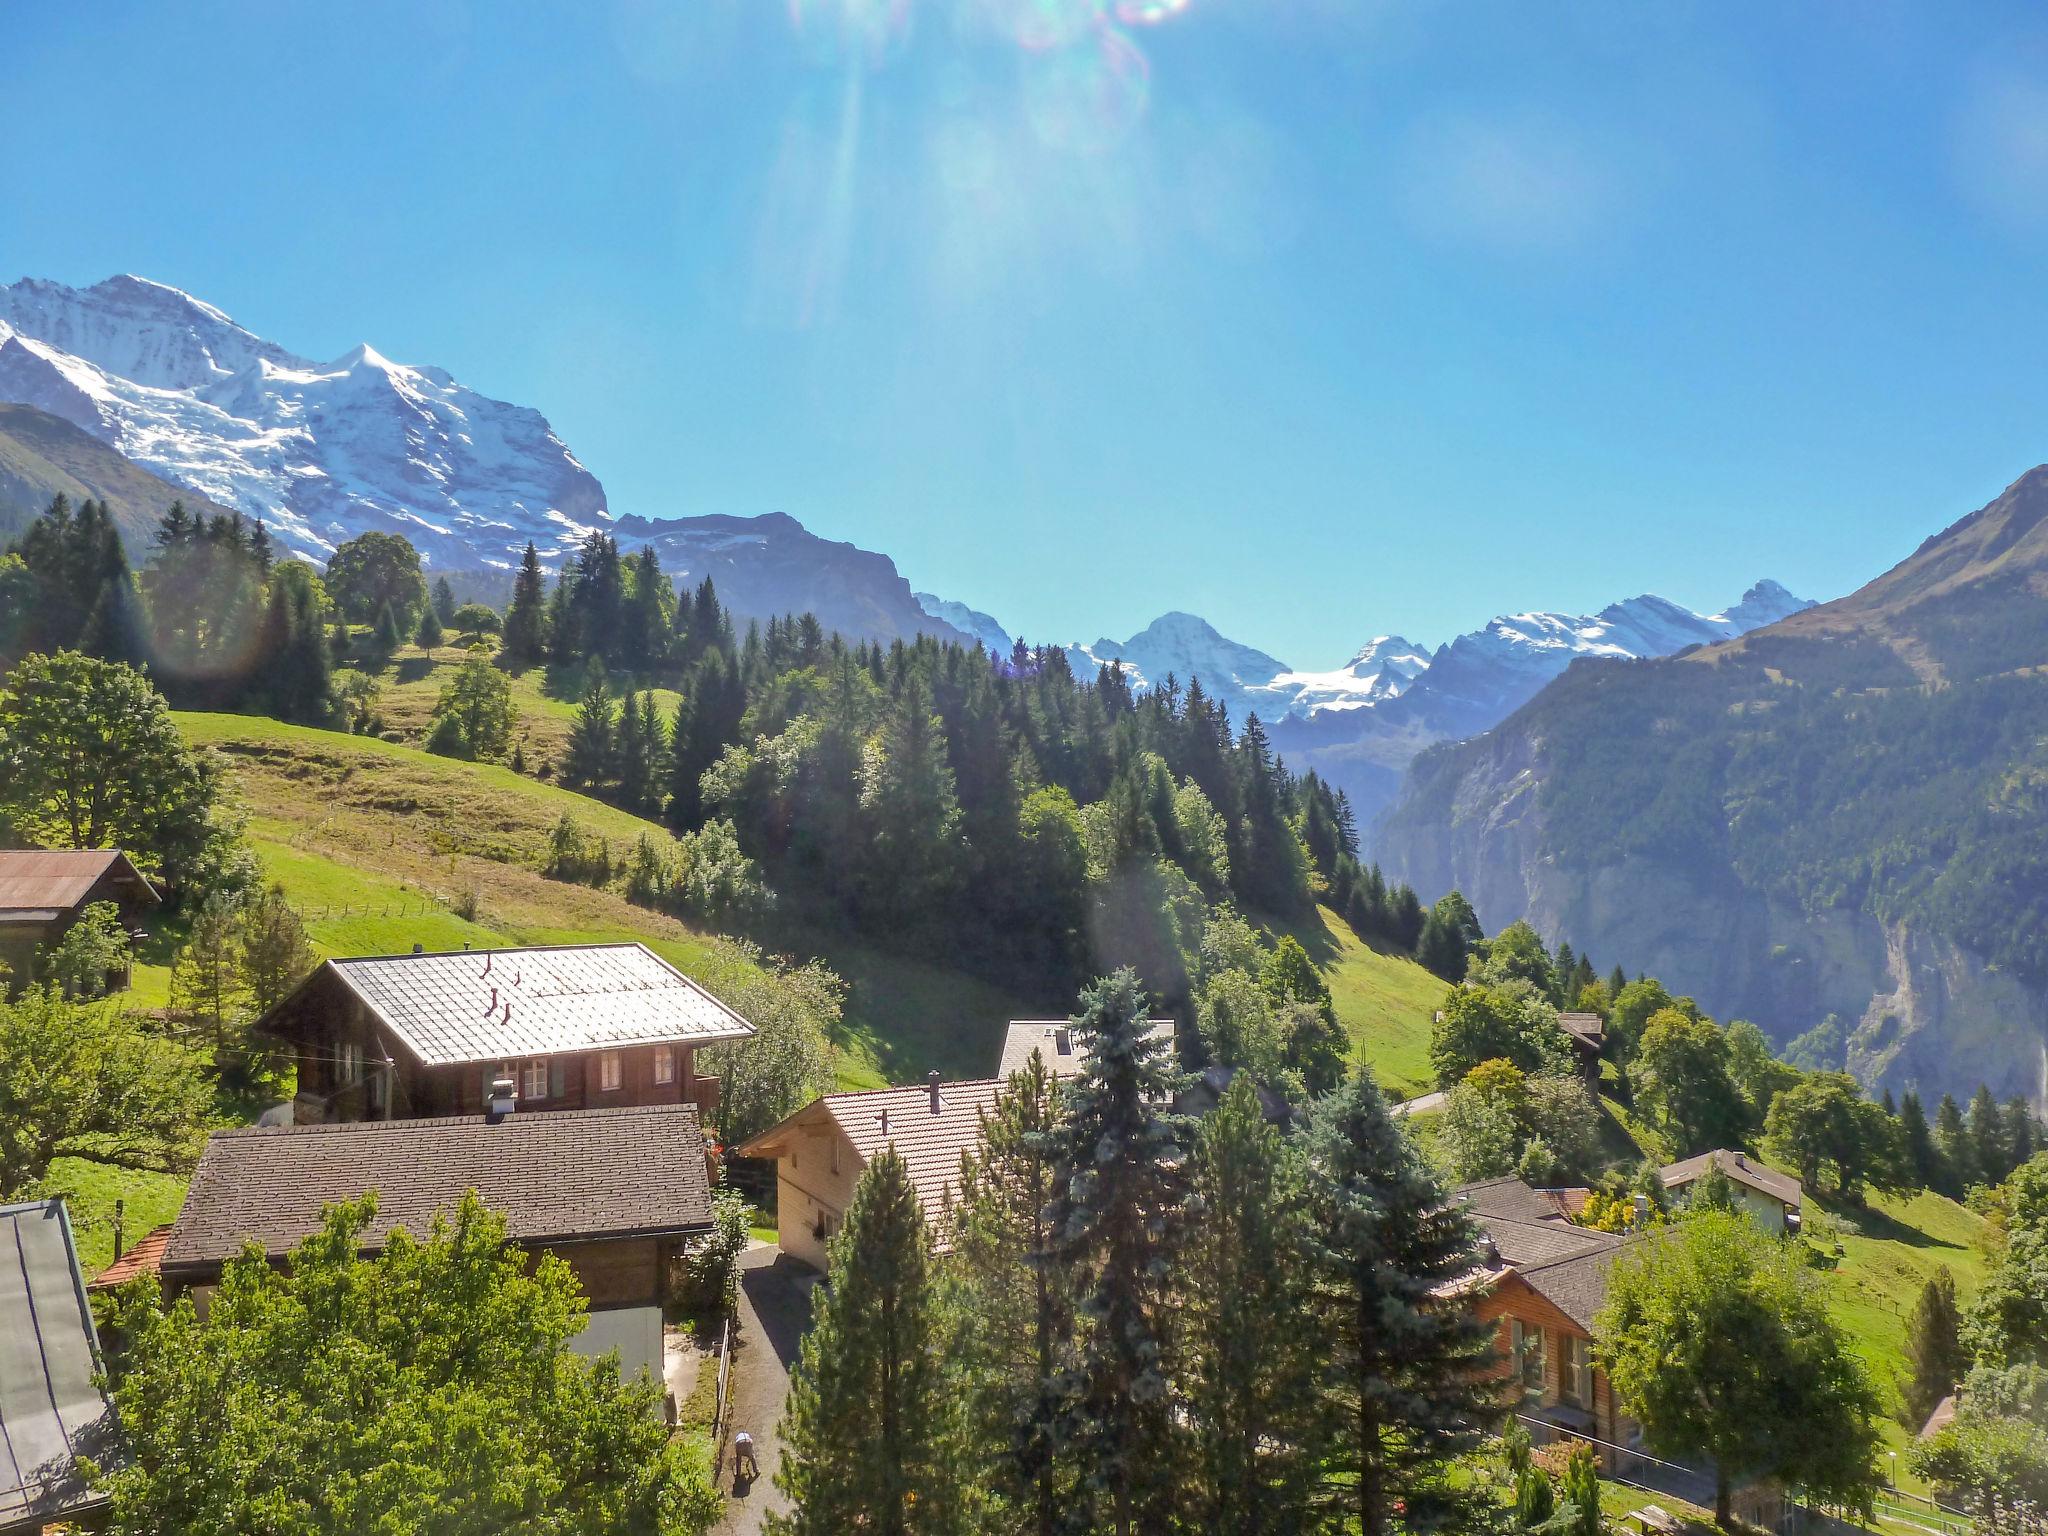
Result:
{"points": [[866, 32], [1089, 95], [1039, 26], [1147, 13]]}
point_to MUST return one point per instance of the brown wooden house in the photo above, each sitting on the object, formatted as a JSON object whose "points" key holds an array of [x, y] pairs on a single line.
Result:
{"points": [[43, 891], [613, 1192], [584, 1026]]}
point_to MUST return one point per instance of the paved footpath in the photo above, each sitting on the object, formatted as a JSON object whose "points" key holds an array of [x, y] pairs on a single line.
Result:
{"points": [[775, 1306]]}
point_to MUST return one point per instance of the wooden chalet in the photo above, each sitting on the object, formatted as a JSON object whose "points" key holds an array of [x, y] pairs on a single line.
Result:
{"points": [[614, 1192], [570, 1026], [43, 891]]}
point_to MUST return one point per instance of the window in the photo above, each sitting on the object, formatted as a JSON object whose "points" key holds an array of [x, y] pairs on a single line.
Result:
{"points": [[610, 1071], [380, 1078], [1528, 1343], [533, 1079], [350, 1069], [1578, 1371], [664, 1063]]}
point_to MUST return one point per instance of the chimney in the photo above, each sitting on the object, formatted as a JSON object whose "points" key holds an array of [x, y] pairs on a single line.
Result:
{"points": [[1642, 1210], [418, 948], [1489, 1250], [1740, 1161], [885, 1122], [487, 965], [932, 1082], [501, 1100]]}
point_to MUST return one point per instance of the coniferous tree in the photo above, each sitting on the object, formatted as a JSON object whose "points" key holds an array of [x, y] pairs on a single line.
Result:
{"points": [[636, 737], [1952, 1138], [1118, 1225], [644, 623], [114, 628], [591, 759], [866, 1436], [1252, 1372], [443, 603], [2019, 1133], [390, 636], [1917, 1142], [526, 618], [1011, 1315], [1408, 1384], [1987, 1137], [1935, 1358], [429, 634]]}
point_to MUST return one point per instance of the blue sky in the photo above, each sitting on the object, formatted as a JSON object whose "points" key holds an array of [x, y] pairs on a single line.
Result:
{"points": [[1320, 318]]}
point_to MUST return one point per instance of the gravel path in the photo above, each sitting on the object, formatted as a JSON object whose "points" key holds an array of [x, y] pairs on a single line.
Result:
{"points": [[775, 1306]]}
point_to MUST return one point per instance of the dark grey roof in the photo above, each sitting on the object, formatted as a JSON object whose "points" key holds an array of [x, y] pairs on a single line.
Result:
{"points": [[1565, 1264], [51, 1413], [484, 1005], [562, 1176]]}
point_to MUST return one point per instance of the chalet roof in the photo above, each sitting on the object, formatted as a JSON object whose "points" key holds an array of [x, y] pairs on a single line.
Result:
{"points": [[1058, 1042], [561, 1176], [467, 1006], [144, 1257], [40, 885], [1565, 1264], [1743, 1169], [51, 1413], [929, 1140], [1584, 1026]]}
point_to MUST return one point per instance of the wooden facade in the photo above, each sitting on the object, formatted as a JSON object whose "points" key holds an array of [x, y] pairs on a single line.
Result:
{"points": [[342, 1050]]}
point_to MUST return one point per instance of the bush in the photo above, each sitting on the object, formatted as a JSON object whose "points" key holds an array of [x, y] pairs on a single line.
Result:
{"points": [[707, 1274], [577, 856]]}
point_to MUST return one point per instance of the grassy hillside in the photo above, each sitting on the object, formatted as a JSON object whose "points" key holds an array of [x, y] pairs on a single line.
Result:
{"points": [[1385, 1002], [382, 846], [43, 456]]}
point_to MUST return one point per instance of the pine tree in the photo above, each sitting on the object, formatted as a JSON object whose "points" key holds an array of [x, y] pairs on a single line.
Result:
{"points": [[1011, 1317], [1935, 1360], [1987, 1138], [1917, 1142], [1951, 1136], [443, 605], [865, 1436], [645, 622], [390, 636], [1253, 1371], [113, 629], [634, 754], [2019, 1133], [1408, 1381], [591, 759], [526, 619], [1118, 1226], [429, 636]]}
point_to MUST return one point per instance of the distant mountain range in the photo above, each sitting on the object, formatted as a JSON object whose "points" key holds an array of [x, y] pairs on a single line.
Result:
{"points": [[1360, 725], [1843, 814]]}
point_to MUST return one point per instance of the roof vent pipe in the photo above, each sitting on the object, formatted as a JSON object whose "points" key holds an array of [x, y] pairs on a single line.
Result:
{"points": [[494, 1001], [419, 948], [885, 1122], [932, 1082], [501, 1100]]}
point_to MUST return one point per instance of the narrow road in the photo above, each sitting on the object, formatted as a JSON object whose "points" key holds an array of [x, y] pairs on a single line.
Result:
{"points": [[1427, 1104], [774, 1308]]}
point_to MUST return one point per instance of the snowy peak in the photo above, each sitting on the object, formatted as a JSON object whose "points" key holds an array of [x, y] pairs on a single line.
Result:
{"points": [[969, 621], [319, 452]]}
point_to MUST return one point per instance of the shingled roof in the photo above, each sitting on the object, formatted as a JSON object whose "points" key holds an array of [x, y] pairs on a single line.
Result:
{"points": [[1565, 1264], [1743, 1169], [51, 1410], [564, 1176], [930, 1126], [39, 885], [1058, 1042], [467, 1006]]}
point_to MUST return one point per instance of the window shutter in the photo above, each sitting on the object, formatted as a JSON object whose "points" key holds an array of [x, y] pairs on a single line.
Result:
{"points": [[558, 1078]]}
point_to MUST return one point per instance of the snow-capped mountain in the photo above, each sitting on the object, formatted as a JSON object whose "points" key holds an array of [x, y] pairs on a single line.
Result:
{"points": [[319, 451], [969, 621]]}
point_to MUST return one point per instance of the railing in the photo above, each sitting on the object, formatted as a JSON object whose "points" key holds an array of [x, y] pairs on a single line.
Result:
{"points": [[718, 1423]]}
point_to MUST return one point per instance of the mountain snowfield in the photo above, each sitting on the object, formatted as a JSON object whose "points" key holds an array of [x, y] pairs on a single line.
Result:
{"points": [[319, 451]]}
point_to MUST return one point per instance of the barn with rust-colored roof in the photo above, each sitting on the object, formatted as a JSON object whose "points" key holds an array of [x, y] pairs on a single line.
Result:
{"points": [[43, 891], [571, 1026]]}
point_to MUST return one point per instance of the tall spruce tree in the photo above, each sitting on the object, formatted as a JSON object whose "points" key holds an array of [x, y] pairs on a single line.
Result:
{"points": [[591, 759], [1408, 1386], [443, 602], [1118, 1225], [1253, 1372], [1011, 1316], [1935, 1359], [1952, 1138], [1917, 1142], [526, 618], [866, 1436], [1987, 1138]]}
